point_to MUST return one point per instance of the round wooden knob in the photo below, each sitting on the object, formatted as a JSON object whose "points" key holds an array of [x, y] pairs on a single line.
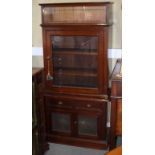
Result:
{"points": [[60, 102], [88, 105]]}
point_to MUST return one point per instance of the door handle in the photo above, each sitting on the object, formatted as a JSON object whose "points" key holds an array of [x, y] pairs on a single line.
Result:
{"points": [[48, 76]]}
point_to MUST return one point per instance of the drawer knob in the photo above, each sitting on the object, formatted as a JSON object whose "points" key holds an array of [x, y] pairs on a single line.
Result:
{"points": [[75, 122], [88, 105], [59, 59], [36, 133], [60, 102]]}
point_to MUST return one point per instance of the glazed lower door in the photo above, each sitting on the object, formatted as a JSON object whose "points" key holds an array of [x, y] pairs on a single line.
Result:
{"points": [[90, 126], [87, 125], [60, 123]]}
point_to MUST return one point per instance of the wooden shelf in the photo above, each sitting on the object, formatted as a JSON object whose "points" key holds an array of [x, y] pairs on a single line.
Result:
{"points": [[71, 72], [74, 60], [75, 52]]}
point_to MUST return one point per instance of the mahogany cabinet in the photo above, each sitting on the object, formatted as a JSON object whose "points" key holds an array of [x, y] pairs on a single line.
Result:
{"points": [[116, 104], [39, 144], [75, 42]]}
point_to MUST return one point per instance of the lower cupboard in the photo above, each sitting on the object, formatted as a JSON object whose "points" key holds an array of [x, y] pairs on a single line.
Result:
{"points": [[76, 121]]}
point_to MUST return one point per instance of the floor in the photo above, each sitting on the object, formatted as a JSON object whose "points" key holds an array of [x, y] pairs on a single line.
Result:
{"points": [[59, 149]]}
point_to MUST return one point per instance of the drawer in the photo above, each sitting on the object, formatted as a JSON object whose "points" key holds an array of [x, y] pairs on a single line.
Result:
{"points": [[89, 105], [83, 104], [59, 103]]}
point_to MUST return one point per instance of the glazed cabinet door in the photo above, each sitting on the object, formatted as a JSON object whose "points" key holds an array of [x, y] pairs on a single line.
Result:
{"points": [[72, 61], [90, 126], [59, 122], [87, 125]]}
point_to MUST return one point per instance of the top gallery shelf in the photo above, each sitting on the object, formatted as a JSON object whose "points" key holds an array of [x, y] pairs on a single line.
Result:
{"points": [[77, 13]]}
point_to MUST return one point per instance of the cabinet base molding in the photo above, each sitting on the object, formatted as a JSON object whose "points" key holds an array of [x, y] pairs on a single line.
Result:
{"points": [[96, 144]]}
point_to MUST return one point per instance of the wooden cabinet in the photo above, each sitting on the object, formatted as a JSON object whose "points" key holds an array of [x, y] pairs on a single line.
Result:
{"points": [[39, 144], [116, 104], [75, 42]]}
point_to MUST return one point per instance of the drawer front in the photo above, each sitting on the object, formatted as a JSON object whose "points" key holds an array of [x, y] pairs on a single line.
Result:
{"points": [[77, 104], [88, 105], [58, 103]]}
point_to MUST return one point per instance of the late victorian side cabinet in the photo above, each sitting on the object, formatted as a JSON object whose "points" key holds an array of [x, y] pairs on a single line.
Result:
{"points": [[75, 43], [116, 104]]}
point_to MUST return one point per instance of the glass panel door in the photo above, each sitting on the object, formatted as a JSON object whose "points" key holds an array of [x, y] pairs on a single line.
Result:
{"points": [[61, 122], [75, 61], [87, 125]]}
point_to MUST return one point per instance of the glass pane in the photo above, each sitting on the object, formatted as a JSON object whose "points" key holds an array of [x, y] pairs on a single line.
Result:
{"points": [[75, 60], [60, 122], [87, 125]]}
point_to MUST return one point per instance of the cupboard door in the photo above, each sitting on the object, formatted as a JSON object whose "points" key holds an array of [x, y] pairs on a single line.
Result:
{"points": [[91, 126], [59, 122], [87, 125], [73, 61]]}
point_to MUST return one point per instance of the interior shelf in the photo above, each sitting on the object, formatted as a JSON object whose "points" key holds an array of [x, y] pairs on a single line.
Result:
{"points": [[74, 52], [73, 72]]}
